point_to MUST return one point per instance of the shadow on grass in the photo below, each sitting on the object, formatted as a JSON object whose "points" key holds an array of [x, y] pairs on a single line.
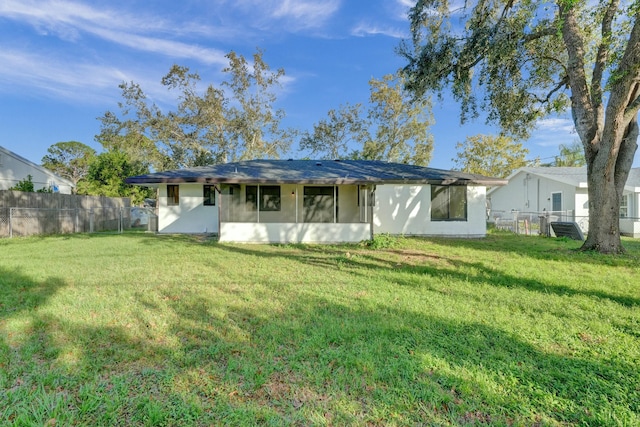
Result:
{"points": [[429, 266], [192, 357]]}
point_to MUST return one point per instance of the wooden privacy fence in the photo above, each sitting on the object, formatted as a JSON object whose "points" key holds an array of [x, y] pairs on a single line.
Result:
{"points": [[25, 214]]}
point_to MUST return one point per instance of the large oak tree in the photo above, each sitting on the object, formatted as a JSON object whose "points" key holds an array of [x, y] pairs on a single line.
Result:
{"points": [[521, 60]]}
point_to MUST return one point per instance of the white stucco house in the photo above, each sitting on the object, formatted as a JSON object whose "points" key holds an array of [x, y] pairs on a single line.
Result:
{"points": [[15, 168], [562, 193], [278, 201]]}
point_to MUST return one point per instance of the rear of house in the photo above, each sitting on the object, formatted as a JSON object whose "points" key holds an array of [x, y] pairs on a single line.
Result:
{"points": [[319, 201]]}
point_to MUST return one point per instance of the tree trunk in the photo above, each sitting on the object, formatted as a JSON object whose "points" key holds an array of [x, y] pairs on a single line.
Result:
{"points": [[606, 181], [604, 207]]}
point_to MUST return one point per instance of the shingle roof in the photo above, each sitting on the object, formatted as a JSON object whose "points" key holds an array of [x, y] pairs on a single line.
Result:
{"points": [[315, 172]]}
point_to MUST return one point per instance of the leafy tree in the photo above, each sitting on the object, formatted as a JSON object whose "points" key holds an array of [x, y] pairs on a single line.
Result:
{"points": [[570, 155], [107, 173], [331, 137], [234, 121], [395, 129], [535, 58], [489, 155], [401, 127], [253, 124], [69, 159]]}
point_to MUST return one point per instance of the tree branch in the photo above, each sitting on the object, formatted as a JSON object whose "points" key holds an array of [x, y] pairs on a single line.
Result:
{"points": [[582, 107], [603, 53]]}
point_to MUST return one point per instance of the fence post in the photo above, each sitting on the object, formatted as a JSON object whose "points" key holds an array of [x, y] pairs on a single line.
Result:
{"points": [[92, 218], [10, 223], [516, 225]]}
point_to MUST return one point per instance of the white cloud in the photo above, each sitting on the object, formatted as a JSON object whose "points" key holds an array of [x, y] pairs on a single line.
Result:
{"points": [[86, 82], [286, 15], [70, 20], [366, 29], [553, 131]]}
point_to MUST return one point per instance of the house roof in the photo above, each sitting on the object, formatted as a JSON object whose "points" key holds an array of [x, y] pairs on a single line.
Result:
{"points": [[575, 176], [315, 172], [57, 178]]}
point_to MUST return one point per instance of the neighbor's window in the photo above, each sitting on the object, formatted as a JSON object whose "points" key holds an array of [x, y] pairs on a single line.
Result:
{"points": [[318, 204], [448, 203], [556, 202], [173, 195], [624, 206], [270, 198], [209, 195]]}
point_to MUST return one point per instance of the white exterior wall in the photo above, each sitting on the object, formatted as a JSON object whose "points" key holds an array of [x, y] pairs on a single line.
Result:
{"points": [[190, 215], [631, 226], [406, 210], [531, 193], [242, 232], [14, 169]]}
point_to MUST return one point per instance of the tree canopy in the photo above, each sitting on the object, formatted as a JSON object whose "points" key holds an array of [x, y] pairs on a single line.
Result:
{"points": [[69, 160], [106, 174], [571, 155], [521, 61], [394, 129], [489, 155], [232, 121]]}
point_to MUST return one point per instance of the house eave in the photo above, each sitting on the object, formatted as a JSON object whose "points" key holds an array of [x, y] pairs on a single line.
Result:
{"points": [[336, 181]]}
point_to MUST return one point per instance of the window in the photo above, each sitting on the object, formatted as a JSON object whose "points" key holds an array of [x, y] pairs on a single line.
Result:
{"points": [[209, 195], [251, 197], [173, 195], [269, 198], [448, 203], [556, 202], [318, 204], [624, 206]]}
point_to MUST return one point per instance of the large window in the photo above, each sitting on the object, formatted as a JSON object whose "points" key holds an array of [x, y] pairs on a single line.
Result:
{"points": [[173, 195], [319, 204], [448, 203], [209, 195]]}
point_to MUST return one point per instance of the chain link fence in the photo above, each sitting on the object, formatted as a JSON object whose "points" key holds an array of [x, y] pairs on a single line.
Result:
{"points": [[535, 223], [19, 221]]}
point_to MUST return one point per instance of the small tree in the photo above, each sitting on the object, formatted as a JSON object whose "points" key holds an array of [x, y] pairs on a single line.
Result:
{"points": [[25, 185], [570, 155]]}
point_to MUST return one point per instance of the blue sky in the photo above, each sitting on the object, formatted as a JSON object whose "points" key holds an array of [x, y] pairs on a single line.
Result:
{"points": [[62, 61]]}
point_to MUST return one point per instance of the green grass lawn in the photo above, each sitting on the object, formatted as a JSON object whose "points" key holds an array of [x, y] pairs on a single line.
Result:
{"points": [[138, 329]]}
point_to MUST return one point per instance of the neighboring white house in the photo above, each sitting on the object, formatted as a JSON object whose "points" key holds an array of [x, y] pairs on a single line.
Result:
{"points": [[562, 193], [277, 201], [15, 168]]}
